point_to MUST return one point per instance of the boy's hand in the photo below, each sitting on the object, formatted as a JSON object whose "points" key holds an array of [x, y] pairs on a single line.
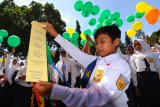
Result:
{"points": [[44, 88], [49, 28], [13, 50]]}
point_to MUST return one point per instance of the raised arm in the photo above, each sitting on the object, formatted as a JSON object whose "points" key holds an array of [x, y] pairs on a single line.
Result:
{"points": [[77, 54]]}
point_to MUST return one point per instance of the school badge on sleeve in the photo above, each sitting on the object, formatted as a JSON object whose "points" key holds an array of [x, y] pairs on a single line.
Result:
{"points": [[121, 82], [98, 76], [150, 60]]}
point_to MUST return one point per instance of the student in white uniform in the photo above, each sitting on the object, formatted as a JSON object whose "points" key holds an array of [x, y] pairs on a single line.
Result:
{"points": [[10, 68], [130, 91], [23, 90], [66, 66], [145, 65], [3, 80], [109, 80]]}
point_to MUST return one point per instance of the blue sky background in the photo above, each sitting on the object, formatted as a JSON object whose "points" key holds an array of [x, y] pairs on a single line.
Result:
{"points": [[125, 7]]}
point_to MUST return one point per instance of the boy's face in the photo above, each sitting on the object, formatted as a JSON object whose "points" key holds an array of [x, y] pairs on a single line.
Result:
{"points": [[105, 46]]}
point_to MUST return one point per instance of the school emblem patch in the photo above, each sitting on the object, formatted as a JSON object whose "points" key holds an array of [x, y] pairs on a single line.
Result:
{"points": [[88, 73], [150, 60], [98, 76], [121, 82]]}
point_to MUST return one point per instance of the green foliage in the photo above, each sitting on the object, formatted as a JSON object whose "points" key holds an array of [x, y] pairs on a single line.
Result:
{"points": [[128, 40], [17, 21], [122, 48], [154, 37]]}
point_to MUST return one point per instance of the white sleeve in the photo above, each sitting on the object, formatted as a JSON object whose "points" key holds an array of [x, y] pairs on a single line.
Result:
{"points": [[17, 76], [133, 70], [157, 46], [81, 57], [8, 60], [106, 90], [157, 64]]}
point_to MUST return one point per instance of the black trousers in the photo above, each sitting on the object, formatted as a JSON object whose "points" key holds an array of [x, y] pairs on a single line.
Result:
{"points": [[132, 102], [22, 96], [6, 95], [149, 86]]}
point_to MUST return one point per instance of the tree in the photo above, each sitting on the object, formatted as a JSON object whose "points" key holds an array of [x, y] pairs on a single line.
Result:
{"points": [[128, 40], [154, 37], [122, 47], [17, 20], [78, 29]]}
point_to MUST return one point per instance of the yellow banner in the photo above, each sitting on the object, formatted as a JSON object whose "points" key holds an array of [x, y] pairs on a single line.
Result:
{"points": [[37, 60]]}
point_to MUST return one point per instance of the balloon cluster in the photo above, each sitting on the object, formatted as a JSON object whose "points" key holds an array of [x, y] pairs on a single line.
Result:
{"points": [[13, 41], [86, 8], [71, 35], [138, 15], [135, 26], [107, 18], [151, 13]]}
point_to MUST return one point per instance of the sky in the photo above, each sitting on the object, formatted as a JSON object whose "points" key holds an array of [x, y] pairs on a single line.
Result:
{"points": [[124, 7]]}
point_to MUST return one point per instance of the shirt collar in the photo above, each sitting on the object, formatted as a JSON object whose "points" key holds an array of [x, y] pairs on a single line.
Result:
{"points": [[108, 59]]}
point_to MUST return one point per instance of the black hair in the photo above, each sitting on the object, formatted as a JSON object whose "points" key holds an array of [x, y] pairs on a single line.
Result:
{"points": [[113, 32]]}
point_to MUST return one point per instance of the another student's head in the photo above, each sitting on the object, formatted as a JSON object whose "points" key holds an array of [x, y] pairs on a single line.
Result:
{"points": [[130, 50], [107, 39], [14, 61], [141, 46], [62, 52]]}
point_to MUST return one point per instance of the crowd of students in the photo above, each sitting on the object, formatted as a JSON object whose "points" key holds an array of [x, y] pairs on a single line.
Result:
{"points": [[98, 76]]}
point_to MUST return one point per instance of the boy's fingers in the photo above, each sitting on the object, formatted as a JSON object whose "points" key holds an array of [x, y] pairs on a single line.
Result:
{"points": [[43, 83]]}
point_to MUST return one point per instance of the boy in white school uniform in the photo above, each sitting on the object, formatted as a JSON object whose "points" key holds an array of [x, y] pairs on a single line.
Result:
{"points": [[106, 85]]}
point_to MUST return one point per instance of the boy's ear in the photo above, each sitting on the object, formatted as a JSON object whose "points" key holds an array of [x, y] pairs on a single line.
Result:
{"points": [[116, 41]]}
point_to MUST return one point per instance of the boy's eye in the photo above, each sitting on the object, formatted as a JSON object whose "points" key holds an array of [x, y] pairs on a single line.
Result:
{"points": [[103, 41]]}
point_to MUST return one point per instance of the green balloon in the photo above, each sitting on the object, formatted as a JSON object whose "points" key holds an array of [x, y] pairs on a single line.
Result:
{"points": [[66, 35], [83, 41], [115, 15], [108, 22], [139, 15], [101, 19], [119, 22], [99, 25], [3, 33], [105, 13], [87, 7], [85, 14], [75, 35], [1, 39], [78, 5], [95, 10], [92, 22], [74, 41], [87, 32], [130, 18], [13, 41]]}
